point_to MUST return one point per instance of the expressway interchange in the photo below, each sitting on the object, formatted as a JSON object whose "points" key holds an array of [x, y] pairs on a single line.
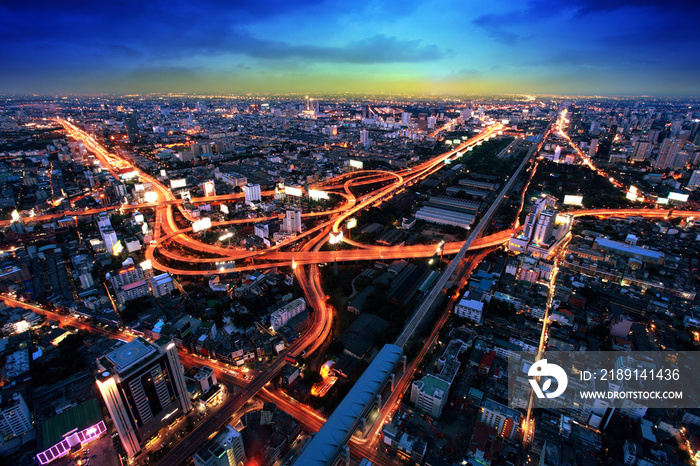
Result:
{"points": [[302, 253]]}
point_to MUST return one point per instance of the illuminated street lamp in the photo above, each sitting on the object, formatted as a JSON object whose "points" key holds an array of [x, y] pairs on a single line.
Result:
{"points": [[441, 249]]}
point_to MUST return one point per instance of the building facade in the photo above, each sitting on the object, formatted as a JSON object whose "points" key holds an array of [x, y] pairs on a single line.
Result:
{"points": [[143, 386]]}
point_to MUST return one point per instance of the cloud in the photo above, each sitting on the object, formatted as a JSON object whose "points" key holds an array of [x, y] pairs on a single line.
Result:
{"points": [[376, 49]]}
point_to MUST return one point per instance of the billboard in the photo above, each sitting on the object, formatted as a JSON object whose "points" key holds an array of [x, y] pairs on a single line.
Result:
{"points": [[179, 183], [316, 194], [678, 197], [570, 199], [151, 197], [356, 164], [352, 223], [335, 237], [208, 188], [201, 225], [128, 175], [117, 248], [292, 191]]}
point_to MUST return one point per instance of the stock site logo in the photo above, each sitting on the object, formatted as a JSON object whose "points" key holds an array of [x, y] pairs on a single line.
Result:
{"points": [[547, 372]]}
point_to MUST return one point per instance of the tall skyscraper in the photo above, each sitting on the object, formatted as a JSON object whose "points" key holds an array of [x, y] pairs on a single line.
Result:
{"points": [[292, 221], [226, 449], [364, 137], [593, 148], [642, 150], [15, 418], [251, 192], [143, 386], [667, 154], [545, 226], [132, 127], [694, 180]]}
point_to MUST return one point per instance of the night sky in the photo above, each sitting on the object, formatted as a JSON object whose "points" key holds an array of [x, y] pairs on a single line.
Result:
{"points": [[627, 47]]}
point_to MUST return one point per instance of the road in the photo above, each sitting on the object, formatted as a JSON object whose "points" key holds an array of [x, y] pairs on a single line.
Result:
{"points": [[168, 232], [435, 291]]}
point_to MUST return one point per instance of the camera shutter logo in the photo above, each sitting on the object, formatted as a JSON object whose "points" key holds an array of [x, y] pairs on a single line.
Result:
{"points": [[547, 372]]}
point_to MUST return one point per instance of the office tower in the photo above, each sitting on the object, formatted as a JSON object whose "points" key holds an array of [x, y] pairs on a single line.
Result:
{"points": [[143, 386], [642, 150], [557, 154], [226, 449], [251, 192], [406, 118], [593, 148], [680, 160], [132, 127], [431, 122], [292, 221], [364, 137], [15, 418], [667, 154], [545, 226], [694, 180], [423, 121]]}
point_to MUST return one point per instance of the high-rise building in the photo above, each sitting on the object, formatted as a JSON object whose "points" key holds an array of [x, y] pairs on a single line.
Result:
{"points": [[364, 137], [226, 449], [282, 315], [545, 226], [161, 285], [125, 276], [208, 188], [694, 180], [262, 230], [667, 154], [505, 420], [642, 150], [406, 118], [15, 418], [593, 148], [143, 386], [292, 221], [205, 378], [252, 193], [132, 127]]}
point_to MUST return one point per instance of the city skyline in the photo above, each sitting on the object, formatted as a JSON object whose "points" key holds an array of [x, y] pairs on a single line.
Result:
{"points": [[572, 48]]}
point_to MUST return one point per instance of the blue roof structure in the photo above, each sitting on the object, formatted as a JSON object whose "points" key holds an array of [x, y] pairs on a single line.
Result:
{"points": [[326, 444]]}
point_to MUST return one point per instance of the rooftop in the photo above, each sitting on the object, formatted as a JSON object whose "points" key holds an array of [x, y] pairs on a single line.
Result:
{"points": [[324, 446], [129, 354]]}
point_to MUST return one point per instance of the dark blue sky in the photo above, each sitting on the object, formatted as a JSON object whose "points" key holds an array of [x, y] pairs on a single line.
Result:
{"points": [[626, 47]]}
